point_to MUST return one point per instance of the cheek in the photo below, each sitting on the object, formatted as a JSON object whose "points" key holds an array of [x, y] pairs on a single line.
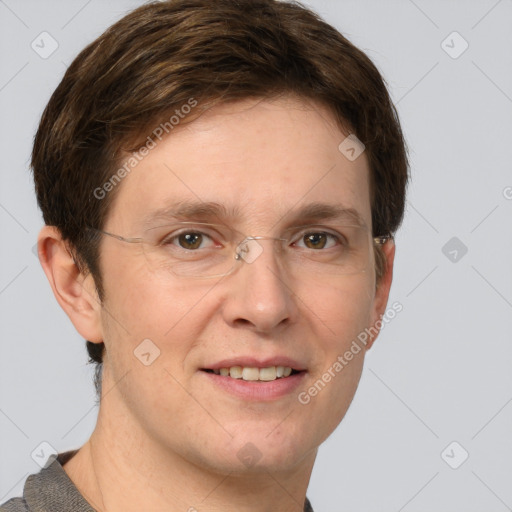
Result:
{"points": [[344, 309], [147, 314], [343, 313], [141, 302], [150, 329]]}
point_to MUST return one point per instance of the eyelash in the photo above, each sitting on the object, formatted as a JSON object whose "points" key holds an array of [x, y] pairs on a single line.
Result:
{"points": [[338, 238]]}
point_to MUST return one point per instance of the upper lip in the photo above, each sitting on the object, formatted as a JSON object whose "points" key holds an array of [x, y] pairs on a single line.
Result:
{"points": [[256, 362]]}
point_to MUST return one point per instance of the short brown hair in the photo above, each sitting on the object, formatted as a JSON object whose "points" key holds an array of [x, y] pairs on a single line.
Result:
{"points": [[152, 61]]}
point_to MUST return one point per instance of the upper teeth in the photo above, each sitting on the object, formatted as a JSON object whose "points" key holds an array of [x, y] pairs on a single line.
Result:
{"points": [[251, 373]]}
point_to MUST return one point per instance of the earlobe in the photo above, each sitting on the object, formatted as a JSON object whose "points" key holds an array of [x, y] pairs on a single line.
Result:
{"points": [[74, 291], [382, 292]]}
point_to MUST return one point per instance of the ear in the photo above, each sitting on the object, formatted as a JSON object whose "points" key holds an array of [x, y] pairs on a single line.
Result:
{"points": [[74, 291], [382, 292]]}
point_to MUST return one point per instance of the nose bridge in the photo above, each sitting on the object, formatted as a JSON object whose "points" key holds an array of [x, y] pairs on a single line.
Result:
{"points": [[250, 248], [262, 296]]}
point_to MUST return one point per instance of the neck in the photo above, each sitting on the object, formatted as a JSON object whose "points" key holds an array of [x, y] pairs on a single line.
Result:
{"points": [[122, 468]]}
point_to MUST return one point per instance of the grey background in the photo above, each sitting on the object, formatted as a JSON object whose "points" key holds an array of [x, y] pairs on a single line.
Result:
{"points": [[440, 372]]}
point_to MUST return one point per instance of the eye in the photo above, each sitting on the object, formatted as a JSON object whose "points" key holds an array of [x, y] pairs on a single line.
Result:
{"points": [[319, 240], [189, 240]]}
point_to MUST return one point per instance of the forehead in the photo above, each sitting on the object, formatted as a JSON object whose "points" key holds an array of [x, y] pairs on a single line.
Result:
{"points": [[259, 161]]}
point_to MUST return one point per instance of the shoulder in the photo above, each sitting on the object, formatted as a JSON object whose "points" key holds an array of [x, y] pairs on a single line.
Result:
{"points": [[49, 489], [15, 505]]}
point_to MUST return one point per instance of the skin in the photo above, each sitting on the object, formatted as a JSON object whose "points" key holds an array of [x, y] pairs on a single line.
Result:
{"points": [[166, 439]]}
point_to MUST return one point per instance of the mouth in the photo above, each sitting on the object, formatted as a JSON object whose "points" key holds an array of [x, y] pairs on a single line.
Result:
{"points": [[254, 373], [260, 379]]}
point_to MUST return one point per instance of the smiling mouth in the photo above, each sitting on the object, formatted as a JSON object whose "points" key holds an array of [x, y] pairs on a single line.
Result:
{"points": [[255, 374]]}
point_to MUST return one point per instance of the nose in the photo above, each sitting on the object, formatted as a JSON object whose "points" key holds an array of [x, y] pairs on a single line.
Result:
{"points": [[260, 294]]}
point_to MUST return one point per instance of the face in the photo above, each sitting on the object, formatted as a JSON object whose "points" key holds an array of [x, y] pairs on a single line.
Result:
{"points": [[263, 162]]}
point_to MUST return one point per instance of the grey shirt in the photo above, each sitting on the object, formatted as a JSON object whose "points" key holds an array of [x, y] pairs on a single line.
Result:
{"points": [[51, 490]]}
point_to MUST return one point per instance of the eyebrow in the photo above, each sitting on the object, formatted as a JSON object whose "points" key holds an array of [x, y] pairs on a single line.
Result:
{"points": [[325, 211], [188, 210], [208, 211]]}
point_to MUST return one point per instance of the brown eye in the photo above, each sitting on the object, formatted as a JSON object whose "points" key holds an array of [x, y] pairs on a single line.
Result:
{"points": [[190, 240], [315, 240]]}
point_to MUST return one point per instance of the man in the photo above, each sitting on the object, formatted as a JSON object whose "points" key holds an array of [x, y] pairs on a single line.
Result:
{"points": [[220, 183]]}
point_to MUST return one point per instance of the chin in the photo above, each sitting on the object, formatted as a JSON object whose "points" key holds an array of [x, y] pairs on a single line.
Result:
{"points": [[249, 460], [258, 449]]}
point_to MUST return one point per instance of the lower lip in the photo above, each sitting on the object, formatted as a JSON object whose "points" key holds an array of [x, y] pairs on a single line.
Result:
{"points": [[257, 390]]}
